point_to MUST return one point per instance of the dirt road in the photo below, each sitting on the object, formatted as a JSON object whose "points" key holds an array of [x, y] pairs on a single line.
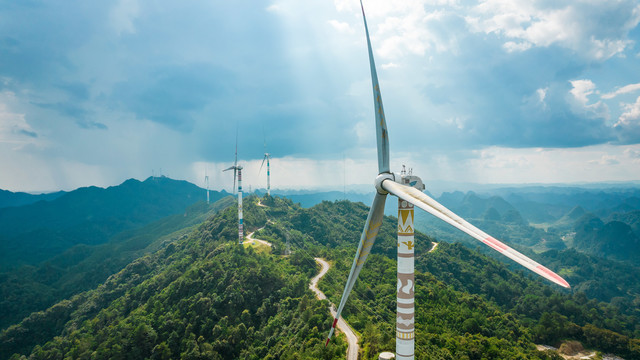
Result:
{"points": [[251, 238], [352, 339]]}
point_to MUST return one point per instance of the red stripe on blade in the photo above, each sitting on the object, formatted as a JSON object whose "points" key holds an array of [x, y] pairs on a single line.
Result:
{"points": [[335, 322], [555, 277], [497, 245]]}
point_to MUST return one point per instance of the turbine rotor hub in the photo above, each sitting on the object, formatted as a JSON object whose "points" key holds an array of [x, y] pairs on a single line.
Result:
{"points": [[382, 177], [403, 178]]}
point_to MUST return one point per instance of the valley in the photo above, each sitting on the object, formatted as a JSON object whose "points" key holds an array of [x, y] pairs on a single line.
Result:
{"points": [[186, 275]]}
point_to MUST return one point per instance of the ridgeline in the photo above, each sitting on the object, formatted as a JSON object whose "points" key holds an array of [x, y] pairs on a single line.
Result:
{"points": [[201, 296]]}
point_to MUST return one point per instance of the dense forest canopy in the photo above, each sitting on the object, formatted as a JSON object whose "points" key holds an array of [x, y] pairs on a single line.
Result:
{"points": [[194, 293]]}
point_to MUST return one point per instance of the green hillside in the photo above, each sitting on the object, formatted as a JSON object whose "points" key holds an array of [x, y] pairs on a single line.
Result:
{"points": [[34, 288], [613, 239], [202, 296], [631, 218], [32, 233]]}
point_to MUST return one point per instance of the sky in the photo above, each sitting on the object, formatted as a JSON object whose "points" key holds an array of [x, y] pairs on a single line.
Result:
{"points": [[492, 92]]}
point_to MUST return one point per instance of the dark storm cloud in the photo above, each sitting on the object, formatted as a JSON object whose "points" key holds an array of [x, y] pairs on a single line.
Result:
{"points": [[70, 109], [174, 96], [171, 82], [519, 99], [27, 133], [87, 124]]}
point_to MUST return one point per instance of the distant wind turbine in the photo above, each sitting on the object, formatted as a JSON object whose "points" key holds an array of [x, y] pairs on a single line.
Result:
{"points": [[267, 157], [237, 171], [206, 181], [407, 188]]}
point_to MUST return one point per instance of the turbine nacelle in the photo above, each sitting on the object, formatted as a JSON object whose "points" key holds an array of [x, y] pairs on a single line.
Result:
{"points": [[236, 174], [238, 167], [412, 181], [402, 178]]}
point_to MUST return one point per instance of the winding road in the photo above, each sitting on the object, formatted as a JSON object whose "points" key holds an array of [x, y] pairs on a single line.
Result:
{"points": [[251, 238], [352, 339]]}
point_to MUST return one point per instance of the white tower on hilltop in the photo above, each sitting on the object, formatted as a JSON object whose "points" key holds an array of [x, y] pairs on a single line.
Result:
{"points": [[237, 172], [206, 181], [267, 157]]}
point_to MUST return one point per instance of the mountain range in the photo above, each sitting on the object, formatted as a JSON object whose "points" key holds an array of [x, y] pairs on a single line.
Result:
{"points": [[179, 286], [32, 233], [13, 199]]}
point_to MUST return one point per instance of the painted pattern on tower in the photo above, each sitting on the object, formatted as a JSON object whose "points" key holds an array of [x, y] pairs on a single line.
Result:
{"points": [[405, 310]]}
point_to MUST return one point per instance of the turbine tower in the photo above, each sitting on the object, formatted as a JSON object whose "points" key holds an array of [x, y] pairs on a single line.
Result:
{"points": [[408, 189], [206, 181], [237, 172], [267, 157]]}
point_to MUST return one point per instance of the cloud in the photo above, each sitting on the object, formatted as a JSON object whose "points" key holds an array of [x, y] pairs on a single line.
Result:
{"points": [[628, 125], [87, 124], [342, 27], [389, 65], [27, 133], [632, 112], [622, 90], [542, 93], [605, 160], [522, 165], [172, 95], [13, 126], [632, 153], [69, 109], [169, 83], [582, 89], [512, 46], [596, 30], [123, 15], [557, 115]]}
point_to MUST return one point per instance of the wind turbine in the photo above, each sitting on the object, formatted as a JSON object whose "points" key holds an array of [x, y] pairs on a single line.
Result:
{"points": [[407, 188], [237, 171], [267, 157], [206, 181]]}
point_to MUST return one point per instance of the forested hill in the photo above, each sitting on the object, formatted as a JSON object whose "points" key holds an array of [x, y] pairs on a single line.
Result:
{"points": [[199, 297], [83, 267], [204, 296], [9, 199], [35, 232]]}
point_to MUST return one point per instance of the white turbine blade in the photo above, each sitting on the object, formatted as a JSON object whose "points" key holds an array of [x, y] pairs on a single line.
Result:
{"points": [[235, 172], [235, 161], [381, 125], [368, 237], [421, 200], [263, 160], [229, 168]]}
